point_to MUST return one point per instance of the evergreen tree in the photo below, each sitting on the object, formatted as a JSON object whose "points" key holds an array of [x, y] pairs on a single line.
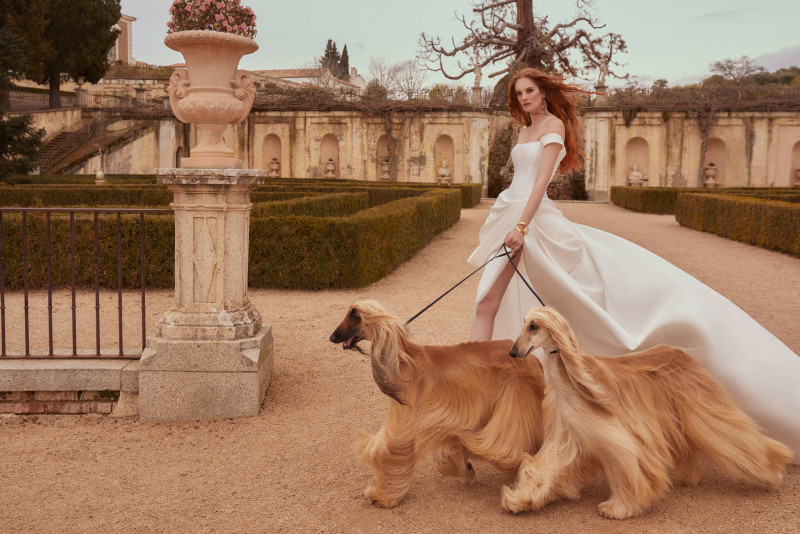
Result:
{"points": [[12, 60], [71, 38], [376, 91], [344, 65], [20, 145], [20, 142], [330, 58]]}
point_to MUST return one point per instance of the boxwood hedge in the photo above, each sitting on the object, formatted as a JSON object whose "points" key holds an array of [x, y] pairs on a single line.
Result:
{"points": [[766, 223], [342, 239]]}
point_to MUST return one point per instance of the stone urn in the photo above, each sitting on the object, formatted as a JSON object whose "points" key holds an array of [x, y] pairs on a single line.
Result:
{"points": [[330, 168], [710, 174], [385, 166], [211, 92]]}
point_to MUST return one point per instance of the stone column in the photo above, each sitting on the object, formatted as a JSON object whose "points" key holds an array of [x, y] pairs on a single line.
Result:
{"points": [[211, 356], [141, 95], [80, 97]]}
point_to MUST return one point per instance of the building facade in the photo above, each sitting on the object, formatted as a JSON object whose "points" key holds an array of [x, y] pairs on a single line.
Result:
{"points": [[664, 149]]}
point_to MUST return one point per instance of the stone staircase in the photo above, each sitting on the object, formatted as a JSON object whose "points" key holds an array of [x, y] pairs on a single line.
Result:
{"points": [[60, 146]]}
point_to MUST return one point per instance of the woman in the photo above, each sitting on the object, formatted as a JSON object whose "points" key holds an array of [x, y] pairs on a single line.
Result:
{"points": [[618, 297]]}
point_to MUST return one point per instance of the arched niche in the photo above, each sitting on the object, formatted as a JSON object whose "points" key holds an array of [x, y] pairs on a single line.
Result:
{"points": [[329, 151], [381, 155], [636, 162], [178, 156], [272, 151], [717, 153], [794, 177], [443, 150]]}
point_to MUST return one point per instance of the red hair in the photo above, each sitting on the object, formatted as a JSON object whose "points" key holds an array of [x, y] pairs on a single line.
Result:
{"points": [[557, 94]]}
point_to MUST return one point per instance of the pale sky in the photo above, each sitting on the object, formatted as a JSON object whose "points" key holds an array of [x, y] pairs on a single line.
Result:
{"points": [[675, 40]]}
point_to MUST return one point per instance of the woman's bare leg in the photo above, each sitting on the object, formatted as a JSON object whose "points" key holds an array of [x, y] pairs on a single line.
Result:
{"points": [[485, 311]]}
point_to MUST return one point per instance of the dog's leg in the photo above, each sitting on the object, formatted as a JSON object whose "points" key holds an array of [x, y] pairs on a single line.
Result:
{"points": [[689, 469], [392, 460], [514, 428], [543, 478], [636, 475], [452, 460]]}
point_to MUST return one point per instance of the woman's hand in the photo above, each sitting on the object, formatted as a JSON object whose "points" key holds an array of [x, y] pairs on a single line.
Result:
{"points": [[514, 240]]}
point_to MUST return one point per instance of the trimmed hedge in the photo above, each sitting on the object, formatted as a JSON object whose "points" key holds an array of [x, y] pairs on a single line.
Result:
{"points": [[83, 179], [770, 224], [333, 205], [286, 251], [659, 200], [346, 251], [470, 193], [662, 200], [94, 196], [159, 250]]}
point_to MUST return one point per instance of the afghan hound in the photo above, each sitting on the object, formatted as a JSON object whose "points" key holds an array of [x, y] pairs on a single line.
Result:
{"points": [[447, 402], [645, 420]]}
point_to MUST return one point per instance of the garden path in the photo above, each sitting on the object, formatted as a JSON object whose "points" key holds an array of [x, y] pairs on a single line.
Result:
{"points": [[293, 468]]}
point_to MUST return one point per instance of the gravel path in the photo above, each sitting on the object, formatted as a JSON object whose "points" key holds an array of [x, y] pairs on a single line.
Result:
{"points": [[293, 468]]}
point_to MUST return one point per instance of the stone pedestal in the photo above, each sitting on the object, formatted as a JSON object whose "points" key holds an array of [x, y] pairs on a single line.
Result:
{"points": [[80, 97], [211, 356], [476, 95], [601, 99]]}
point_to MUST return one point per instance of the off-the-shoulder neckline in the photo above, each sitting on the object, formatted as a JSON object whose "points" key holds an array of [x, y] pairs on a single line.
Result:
{"points": [[540, 139]]}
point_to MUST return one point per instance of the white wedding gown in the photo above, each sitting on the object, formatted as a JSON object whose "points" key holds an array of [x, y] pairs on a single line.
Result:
{"points": [[620, 298]]}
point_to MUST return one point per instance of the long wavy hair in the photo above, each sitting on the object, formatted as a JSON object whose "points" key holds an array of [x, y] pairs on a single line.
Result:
{"points": [[557, 93]]}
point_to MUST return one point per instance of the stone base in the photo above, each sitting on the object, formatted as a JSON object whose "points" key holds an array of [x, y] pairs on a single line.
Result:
{"points": [[598, 196], [211, 163], [189, 380]]}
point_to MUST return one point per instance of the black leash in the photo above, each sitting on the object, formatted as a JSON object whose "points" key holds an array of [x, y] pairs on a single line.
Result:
{"points": [[507, 254], [523, 278]]}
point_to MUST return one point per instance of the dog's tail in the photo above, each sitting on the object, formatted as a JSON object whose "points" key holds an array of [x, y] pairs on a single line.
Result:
{"points": [[730, 438]]}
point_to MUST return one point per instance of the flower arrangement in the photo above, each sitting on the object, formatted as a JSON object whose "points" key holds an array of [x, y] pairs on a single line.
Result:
{"points": [[228, 16]]}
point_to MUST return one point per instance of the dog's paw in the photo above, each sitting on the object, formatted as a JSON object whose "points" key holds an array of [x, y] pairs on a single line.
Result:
{"points": [[468, 479], [378, 497], [513, 501], [612, 509]]}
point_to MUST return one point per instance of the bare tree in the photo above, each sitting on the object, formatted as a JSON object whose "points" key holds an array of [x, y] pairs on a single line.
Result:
{"points": [[735, 69], [408, 78], [381, 72], [508, 35]]}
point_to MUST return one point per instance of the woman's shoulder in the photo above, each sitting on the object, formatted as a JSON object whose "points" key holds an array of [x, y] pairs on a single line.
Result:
{"points": [[553, 125]]}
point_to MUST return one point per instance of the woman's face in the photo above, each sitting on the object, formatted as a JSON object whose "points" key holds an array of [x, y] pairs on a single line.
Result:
{"points": [[528, 95]]}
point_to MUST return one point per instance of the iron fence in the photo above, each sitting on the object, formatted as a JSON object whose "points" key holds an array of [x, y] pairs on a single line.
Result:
{"points": [[26, 289], [24, 101]]}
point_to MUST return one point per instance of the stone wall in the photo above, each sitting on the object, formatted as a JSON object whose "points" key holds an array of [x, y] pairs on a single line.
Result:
{"points": [[747, 149], [54, 121], [58, 402], [158, 145], [302, 142]]}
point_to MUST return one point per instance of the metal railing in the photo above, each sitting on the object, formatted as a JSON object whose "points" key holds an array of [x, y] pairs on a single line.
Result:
{"points": [[24, 101], [26, 266]]}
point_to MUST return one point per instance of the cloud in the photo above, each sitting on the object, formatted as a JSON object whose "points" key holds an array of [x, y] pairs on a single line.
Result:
{"points": [[785, 57], [727, 14]]}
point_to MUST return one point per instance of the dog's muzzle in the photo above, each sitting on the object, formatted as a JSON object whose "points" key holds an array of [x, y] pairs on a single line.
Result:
{"points": [[347, 340], [514, 353]]}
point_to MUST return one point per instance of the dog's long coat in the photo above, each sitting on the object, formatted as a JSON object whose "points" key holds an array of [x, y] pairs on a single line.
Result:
{"points": [[450, 402], [647, 420]]}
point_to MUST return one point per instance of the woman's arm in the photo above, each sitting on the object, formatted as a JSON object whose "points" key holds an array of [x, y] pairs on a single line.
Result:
{"points": [[547, 164]]}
